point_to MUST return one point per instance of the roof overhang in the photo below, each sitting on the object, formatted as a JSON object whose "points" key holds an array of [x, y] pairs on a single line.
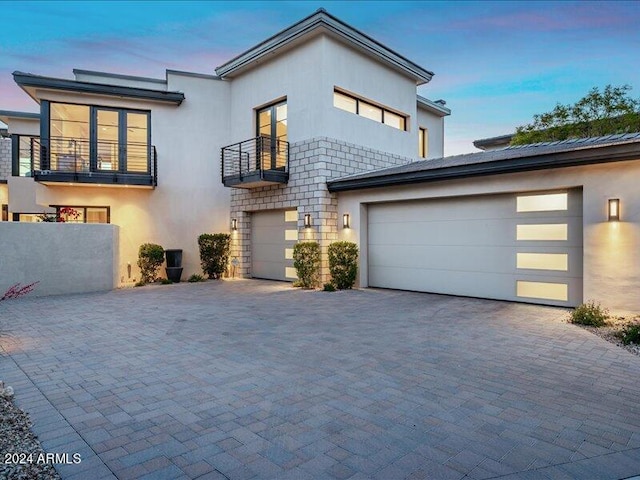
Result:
{"points": [[323, 22], [493, 142], [7, 116], [433, 107], [31, 83], [580, 157]]}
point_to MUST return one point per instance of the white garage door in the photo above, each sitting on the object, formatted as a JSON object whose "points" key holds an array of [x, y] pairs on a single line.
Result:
{"points": [[273, 236], [525, 247]]}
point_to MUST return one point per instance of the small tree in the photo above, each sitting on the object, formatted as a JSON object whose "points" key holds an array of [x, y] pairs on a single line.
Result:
{"points": [[150, 257], [306, 260], [597, 113], [214, 253], [343, 264]]}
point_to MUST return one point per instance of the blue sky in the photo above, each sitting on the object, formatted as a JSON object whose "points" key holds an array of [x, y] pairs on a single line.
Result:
{"points": [[496, 63]]}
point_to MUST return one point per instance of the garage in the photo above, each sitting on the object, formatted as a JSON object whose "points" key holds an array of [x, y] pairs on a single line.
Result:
{"points": [[523, 247], [273, 236]]}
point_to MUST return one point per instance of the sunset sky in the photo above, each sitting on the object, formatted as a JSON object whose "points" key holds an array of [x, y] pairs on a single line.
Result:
{"points": [[496, 63]]}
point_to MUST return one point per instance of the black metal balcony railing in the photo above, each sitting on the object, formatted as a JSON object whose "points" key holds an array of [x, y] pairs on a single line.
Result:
{"points": [[255, 162], [81, 160]]}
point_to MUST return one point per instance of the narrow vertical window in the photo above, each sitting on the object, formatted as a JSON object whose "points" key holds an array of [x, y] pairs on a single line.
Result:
{"points": [[423, 142]]}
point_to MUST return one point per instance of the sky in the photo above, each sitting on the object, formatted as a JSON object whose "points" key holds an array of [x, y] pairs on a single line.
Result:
{"points": [[496, 64]]}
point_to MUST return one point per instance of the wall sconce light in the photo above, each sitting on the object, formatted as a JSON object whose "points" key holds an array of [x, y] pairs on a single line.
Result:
{"points": [[307, 220], [345, 220], [234, 224], [614, 209]]}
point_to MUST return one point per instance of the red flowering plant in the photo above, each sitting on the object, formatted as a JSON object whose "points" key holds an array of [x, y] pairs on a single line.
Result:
{"points": [[18, 290], [62, 215]]}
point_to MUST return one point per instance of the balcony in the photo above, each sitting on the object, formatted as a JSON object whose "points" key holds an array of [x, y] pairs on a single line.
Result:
{"points": [[256, 162], [72, 160]]}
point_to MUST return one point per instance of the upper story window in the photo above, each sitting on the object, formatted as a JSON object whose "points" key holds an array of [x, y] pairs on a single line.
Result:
{"points": [[84, 138], [24, 148], [272, 133], [423, 142], [369, 110]]}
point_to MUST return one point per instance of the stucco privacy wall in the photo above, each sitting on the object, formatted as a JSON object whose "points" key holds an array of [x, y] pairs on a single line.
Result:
{"points": [[63, 258], [611, 266], [311, 163]]}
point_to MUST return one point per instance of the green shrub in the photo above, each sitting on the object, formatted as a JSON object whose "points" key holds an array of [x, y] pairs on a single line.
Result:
{"points": [[150, 257], [328, 287], [306, 260], [590, 314], [165, 281], [140, 284], [214, 253], [631, 333], [196, 278], [343, 264]]}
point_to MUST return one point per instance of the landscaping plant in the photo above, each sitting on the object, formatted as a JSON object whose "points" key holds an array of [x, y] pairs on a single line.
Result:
{"points": [[196, 278], [590, 314], [214, 253], [306, 260], [328, 287], [631, 333], [343, 264], [150, 257]]}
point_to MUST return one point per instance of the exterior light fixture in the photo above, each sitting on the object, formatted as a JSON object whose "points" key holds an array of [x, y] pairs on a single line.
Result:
{"points": [[234, 224], [345, 221], [307, 220], [614, 209]]}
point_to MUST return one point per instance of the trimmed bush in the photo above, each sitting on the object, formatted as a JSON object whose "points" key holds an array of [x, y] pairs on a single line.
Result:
{"points": [[328, 287], [631, 333], [150, 257], [196, 278], [590, 314], [214, 253], [306, 260], [165, 281], [343, 264]]}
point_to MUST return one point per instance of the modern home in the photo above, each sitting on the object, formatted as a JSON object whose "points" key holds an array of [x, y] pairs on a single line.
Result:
{"points": [[318, 133]]}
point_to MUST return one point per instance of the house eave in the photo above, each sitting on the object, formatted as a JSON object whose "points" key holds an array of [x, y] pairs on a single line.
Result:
{"points": [[330, 24], [433, 107], [27, 80], [614, 153]]}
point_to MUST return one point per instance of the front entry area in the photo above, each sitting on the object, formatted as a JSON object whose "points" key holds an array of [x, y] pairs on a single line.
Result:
{"points": [[273, 236], [521, 247]]}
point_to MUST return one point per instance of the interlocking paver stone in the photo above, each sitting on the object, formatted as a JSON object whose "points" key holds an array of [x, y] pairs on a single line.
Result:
{"points": [[247, 378]]}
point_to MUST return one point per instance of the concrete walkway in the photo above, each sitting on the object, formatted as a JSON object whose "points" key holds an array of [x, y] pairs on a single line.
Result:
{"points": [[253, 379]]}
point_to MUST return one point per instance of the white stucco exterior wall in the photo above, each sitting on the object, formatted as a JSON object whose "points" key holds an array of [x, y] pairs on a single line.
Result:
{"points": [[611, 266]]}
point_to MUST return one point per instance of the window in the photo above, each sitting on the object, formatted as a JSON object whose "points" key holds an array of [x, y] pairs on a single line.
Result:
{"points": [[85, 138], [423, 142], [271, 126], [82, 214], [369, 110], [24, 148], [5, 212], [542, 203]]}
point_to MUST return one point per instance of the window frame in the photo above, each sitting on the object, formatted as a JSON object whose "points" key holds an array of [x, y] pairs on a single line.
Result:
{"points": [[384, 110], [84, 208], [45, 134], [15, 152]]}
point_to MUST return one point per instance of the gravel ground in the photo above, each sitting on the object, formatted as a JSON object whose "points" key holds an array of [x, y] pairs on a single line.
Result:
{"points": [[611, 333], [19, 448]]}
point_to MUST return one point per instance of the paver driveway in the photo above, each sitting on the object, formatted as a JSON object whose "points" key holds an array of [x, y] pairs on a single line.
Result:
{"points": [[244, 379]]}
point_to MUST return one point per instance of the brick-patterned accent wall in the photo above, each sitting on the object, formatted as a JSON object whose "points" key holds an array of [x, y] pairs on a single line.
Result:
{"points": [[311, 163], [5, 158]]}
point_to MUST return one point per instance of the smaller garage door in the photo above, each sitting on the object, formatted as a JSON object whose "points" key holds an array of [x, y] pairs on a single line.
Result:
{"points": [[273, 236]]}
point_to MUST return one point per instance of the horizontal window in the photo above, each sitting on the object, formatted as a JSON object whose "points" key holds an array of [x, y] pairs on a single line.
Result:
{"points": [[291, 216], [369, 110], [552, 231], [83, 214], [543, 261], [543, 290], [290, 272], [542, 203]]}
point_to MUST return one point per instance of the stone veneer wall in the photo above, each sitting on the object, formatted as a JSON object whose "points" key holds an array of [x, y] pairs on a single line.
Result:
{"points": [[311, 163], [5, 158]]}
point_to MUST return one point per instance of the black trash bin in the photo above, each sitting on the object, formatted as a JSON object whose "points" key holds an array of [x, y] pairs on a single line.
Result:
{"points": [[174, 264]]}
